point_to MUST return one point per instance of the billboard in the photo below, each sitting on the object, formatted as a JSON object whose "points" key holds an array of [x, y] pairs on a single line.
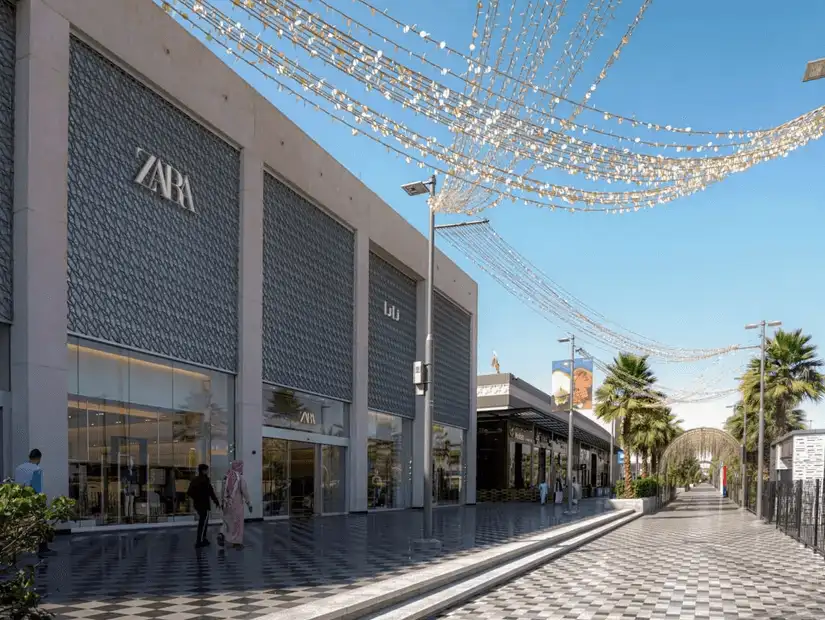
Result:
{"points": [[583, 392]]}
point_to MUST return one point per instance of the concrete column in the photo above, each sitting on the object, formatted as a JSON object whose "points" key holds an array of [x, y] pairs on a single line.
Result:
{"points": [[359, 411], [39, 358], [248, 385], [418, 424], [471, 450]]}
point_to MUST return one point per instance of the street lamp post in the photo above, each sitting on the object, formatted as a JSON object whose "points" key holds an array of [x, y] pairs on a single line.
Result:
{"points": [[417, 189], [572, 340], [424, 380], [760, 458]]}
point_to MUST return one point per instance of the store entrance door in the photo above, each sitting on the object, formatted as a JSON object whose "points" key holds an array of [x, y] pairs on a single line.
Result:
{"points": [[302, 478]]}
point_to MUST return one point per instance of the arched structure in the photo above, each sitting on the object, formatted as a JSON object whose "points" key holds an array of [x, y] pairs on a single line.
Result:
{"points": [[701, 443]]}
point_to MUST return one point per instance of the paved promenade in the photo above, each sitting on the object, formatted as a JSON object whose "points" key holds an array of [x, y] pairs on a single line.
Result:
{"points": [[158, 573], [699, 558]]}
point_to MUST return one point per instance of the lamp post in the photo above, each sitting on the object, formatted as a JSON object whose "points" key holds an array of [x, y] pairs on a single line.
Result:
{"points": [[417, 189], [760, 458], [424, 380], [572, 340]]}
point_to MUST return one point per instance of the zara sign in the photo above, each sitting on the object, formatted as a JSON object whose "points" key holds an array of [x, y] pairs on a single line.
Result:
{"points": [[160, 177]]}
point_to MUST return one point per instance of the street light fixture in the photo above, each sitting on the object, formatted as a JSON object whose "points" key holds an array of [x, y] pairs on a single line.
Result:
{"points": [[815, 70], [572, 340], [419, 187], [760, 458]]}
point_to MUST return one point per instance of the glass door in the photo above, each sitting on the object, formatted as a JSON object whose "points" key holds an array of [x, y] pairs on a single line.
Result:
{"points": [[275, 477], [302, 478]]}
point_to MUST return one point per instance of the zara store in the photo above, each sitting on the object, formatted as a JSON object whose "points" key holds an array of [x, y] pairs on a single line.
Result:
{"points": [[196, 281]]}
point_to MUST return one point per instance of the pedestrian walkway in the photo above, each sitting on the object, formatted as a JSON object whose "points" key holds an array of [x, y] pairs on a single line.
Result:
{"points": [[158, 573], [701, 557]]}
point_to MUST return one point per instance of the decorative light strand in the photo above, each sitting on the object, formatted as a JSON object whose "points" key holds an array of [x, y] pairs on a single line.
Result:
{"points": [[459, 164], [491, 128], [487, 250]]}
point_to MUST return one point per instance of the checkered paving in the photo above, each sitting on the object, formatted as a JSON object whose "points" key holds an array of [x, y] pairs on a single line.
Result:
{"points": [[700, 558], [158, 573]]}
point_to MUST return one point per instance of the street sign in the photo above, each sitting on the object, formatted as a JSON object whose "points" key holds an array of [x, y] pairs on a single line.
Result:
{"points": [[815, 70]]}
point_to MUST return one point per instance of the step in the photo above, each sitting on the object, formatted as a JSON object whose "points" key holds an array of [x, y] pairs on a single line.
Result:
{"points": [[452, 596], [387, 593]]}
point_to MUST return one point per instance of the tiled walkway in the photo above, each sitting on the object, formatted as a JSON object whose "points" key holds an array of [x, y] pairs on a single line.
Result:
{"points": [[158, 573], [700, 558]]}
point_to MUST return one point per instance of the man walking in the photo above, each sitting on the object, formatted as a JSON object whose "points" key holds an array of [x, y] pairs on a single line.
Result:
{"points": [[201, 492], [30, 474]]}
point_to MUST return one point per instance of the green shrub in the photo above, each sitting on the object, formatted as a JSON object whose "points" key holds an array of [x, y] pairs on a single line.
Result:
{"points": [[645, 487], [624, 493], [26, 521]]}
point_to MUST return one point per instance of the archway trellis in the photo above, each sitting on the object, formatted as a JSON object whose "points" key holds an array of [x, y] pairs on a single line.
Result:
{"points": [[700, 442]]}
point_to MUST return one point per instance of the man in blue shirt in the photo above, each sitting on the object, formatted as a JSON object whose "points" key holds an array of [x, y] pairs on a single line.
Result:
{"points": [[31, 475]]}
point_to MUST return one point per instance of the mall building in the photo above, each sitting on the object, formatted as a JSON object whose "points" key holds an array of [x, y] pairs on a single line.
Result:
{"points": [[186, 277]]}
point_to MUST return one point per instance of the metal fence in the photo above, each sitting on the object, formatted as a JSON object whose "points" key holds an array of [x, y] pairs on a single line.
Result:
{"points": [[795, 508]]}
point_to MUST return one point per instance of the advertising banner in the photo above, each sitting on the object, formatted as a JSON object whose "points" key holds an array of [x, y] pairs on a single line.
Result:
{"points": [[583, 384], [808, 457]]}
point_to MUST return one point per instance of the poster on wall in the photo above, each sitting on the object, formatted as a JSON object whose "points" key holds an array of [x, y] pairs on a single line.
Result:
{"points": [[808, 457], [583, 384]]}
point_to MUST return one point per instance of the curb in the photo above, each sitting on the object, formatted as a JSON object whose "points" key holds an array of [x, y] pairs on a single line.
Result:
{"points": [[385, 594], [465, 591]]}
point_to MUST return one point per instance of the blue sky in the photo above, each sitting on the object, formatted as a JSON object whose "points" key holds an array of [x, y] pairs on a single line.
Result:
{"points": [[689, 274]]}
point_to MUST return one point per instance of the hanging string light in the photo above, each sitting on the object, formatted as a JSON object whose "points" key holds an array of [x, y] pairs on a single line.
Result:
{"points": [[491, 253], [659, 397], [499, 139]]}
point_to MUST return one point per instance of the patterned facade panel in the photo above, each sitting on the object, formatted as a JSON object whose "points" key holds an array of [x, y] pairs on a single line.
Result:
{"points": [[7, 62], [144, 271], [452, 332], [393, 317], [308, 307]]}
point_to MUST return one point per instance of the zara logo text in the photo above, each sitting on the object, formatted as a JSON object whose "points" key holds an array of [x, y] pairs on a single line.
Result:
{"points": [[392, 312], [158, 176]]}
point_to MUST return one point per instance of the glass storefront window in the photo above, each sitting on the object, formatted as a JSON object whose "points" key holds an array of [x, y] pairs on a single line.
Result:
{"points": [[275, 477], [285, 408], [448, 464], [389, 443], [333, 465], [604, 469], [560, 448], [290, 481], [138, 428]]}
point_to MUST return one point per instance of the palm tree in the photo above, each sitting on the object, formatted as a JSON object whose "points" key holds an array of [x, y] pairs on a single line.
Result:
{"points": [[652, 431], [794, 421], [626, 393], [792, 376]]}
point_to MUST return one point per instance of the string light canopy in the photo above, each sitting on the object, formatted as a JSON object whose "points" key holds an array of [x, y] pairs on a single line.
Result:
{"points": [[502, 117], [488, 251], [661, 396]]}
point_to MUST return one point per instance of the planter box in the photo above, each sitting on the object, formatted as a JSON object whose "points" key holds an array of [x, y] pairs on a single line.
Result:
{"points": [[645, 505]]}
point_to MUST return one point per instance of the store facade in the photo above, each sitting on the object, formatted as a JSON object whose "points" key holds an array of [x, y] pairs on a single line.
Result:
{"points": [[202, 296], [522, 444]]}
